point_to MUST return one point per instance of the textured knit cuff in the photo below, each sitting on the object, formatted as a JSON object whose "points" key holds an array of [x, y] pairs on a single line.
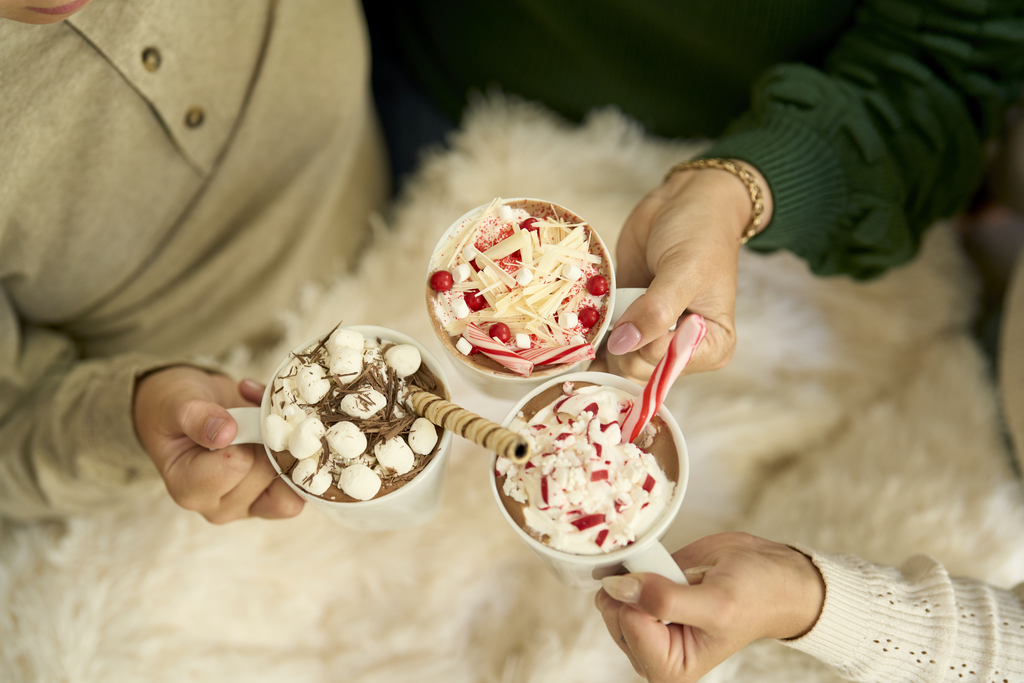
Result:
{"points": [[806, 181]]}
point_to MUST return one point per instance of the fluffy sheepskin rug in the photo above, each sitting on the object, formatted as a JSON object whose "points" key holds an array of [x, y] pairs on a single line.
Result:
{"points": [[853, 418]]}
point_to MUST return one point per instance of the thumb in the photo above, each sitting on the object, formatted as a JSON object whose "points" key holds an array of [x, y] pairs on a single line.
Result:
{"points": [[208, 424], [694, 605], [652, 314]]}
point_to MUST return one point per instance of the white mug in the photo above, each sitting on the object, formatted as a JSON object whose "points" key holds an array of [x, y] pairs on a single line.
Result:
{"points": [[414, 504], [507, 385], [646, 554]]}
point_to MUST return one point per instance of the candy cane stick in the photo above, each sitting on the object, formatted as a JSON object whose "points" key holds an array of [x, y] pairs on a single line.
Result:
{"points": [[684, 344], [559, 354], [497, 351]]}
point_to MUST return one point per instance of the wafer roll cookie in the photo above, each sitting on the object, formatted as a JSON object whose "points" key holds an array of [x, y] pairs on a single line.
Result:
{"points": [[468, 425]]}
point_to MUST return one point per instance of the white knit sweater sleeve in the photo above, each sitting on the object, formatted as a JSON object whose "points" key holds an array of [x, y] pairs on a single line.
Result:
{"points": [[914, 623]]}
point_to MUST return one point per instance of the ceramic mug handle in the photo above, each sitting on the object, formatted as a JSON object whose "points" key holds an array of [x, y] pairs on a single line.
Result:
{"points": [[656, 560], [248, 420]]}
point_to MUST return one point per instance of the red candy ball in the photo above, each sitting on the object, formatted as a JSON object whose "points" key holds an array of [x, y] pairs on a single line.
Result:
{"points": [[475, 300], [500, 332], [588, 316], [597, 285], [441, 281], [528, 224]]}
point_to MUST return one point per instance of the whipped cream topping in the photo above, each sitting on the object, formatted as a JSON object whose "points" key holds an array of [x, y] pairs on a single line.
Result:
{"points": [[338, 408], [583, 491]]}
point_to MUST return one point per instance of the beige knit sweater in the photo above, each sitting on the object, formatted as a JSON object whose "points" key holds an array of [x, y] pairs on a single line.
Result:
{"points": [[172, 172]]}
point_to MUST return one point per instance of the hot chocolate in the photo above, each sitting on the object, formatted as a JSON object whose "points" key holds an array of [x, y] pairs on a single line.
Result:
{"points": [[584, 492], [338, 426]]}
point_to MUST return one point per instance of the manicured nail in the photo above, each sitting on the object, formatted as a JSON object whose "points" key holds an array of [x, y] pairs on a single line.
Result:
{"points": [[622, 588], [623, 339], [213, 427]]}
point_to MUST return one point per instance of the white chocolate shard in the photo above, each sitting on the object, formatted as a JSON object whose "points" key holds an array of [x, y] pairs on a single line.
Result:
{"points": [[422, 436], [364, 404], [304, 440], [515, 242], [311, 383], [404, 359], [359, 481], [347, 363], [307, 475], [347, 440], [276, 431], [395, 454], [464, 346]]}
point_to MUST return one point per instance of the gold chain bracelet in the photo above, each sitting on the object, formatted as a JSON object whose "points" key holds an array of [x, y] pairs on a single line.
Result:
{"points": [[756, 196]]}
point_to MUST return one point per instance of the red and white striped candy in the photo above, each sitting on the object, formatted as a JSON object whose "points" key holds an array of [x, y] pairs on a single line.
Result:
{"points": [[573, 353], [497, 351], [684, 344]]}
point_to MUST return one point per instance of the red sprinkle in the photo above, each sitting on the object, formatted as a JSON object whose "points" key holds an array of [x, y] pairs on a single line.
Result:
{"points": [[500, 332], [588, 316], [528, 224], [601, 536], [649, 483], [598, 475], [597, 285], [441, 281], [475, 300], [588, 521]]}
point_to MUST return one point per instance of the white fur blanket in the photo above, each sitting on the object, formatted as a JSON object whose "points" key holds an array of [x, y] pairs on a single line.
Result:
{"points": [[853, 418]]}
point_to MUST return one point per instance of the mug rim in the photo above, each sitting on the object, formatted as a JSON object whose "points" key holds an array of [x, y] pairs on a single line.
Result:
{"points": [[512, 379], [650, 536], [444, 443]]}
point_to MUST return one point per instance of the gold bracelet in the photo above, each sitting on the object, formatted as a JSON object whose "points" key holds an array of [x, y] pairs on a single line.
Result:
{"points": [[756, 196]]}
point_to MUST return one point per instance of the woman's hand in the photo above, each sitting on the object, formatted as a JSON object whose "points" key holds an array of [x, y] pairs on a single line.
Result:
{"points": [[741, 588], [182, 421], [682, 242]]}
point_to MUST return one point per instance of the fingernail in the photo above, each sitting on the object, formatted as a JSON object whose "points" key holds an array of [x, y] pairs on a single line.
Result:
{"points": [[623, 339], [622, 588], [213, 427], [251, 385]]}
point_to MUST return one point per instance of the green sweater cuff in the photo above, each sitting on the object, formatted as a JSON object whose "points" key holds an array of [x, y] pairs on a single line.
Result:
{"points": [[807, 184]]}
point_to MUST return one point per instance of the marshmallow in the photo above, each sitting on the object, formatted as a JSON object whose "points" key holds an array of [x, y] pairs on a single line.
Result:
{"points": [[522, 340], [347, 440], [568, 319], [470, 252], [464, 346], [571, 272], [306, 475], [524, 276], [347, 363], [359, 481], [404, 359], [311, 383], [577, 339], [460, 309], [462, 272], [422, 436], [304, 440], [363, 404], [505, 213], [275, 432], [292, 412], [344, 338], [395, 454]]}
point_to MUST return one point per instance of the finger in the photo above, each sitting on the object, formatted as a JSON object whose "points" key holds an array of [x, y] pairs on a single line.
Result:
{"points": [[200, 478], [251, 391], [236, 502], [206, 423], [277, 501], [609, 608], [656, 647]]}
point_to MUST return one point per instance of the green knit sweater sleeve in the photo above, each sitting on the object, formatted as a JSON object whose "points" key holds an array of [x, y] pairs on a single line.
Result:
{"points": [[863, 154]]}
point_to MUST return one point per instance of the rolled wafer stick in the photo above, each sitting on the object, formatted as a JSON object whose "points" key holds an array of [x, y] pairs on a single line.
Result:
{"points": [[468, 425]]}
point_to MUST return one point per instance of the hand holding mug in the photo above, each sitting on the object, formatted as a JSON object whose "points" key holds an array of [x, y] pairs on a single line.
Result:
{"points": [[182, 420], [682, 242], [741, 588]]}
